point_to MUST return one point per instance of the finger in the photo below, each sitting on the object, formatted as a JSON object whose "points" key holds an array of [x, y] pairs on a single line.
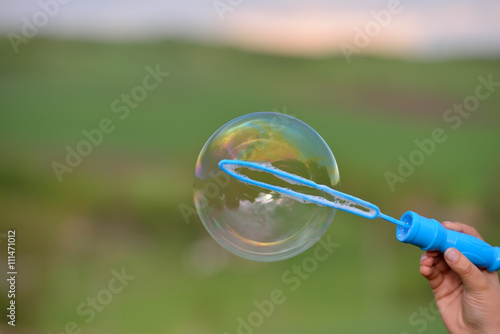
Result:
{"points": [[426, 265], [427, 271], [426, 260], [434, 260], [433, 253], [491, 276], [433, 269], [459, 227], [433, 275], [441, 265], [472, 278]]}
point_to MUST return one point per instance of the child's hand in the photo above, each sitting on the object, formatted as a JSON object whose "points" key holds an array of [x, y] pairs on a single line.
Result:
{"points": [[467, 297]]}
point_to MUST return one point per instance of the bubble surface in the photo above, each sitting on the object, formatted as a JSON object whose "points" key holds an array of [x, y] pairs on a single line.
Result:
{"points": [[256, 223]]}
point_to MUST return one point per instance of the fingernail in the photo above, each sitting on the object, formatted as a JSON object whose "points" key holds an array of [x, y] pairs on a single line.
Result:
{"points": [[423, 257], [451, 255]]}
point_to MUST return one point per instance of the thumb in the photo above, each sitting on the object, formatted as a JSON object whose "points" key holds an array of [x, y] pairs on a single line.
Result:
{"points": [[471, 276]]}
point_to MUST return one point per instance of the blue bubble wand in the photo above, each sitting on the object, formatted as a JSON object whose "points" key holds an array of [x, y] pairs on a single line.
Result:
{"points": [[428, 234]]}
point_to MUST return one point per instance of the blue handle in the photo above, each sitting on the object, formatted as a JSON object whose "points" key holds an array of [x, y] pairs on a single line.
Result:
{"points": [[429, 234]]}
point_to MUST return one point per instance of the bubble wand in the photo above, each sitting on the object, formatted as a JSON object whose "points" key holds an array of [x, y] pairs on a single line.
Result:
{"points": [[428, 234]]}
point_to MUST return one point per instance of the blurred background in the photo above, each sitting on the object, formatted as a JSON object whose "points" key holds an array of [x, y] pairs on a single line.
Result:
{"points": [[107, 238]]}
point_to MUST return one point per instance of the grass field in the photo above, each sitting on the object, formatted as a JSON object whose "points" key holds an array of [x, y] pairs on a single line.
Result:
{"points": [[119, 207]]}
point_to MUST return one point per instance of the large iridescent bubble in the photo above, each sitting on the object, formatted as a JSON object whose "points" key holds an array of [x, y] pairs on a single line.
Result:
{"points": [[256, 223]]}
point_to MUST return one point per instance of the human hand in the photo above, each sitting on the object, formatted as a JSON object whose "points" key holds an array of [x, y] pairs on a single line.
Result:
{"points": [[467, 297]]}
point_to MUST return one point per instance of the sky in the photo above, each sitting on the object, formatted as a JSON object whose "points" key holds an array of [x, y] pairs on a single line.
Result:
{"points": [[405, 28]]}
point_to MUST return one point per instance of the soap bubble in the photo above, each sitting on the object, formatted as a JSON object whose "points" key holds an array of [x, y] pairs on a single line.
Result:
{"points": [[256, 223]]}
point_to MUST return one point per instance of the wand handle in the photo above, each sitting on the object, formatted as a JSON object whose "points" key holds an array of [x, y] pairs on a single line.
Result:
{"points": [[429, 234]]}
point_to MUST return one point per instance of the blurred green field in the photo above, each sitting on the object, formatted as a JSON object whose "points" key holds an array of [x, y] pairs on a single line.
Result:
{"points": [[119, 208]]}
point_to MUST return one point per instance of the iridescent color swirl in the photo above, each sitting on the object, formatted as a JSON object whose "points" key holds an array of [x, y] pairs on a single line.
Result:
{"points": [[255, 223]]}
